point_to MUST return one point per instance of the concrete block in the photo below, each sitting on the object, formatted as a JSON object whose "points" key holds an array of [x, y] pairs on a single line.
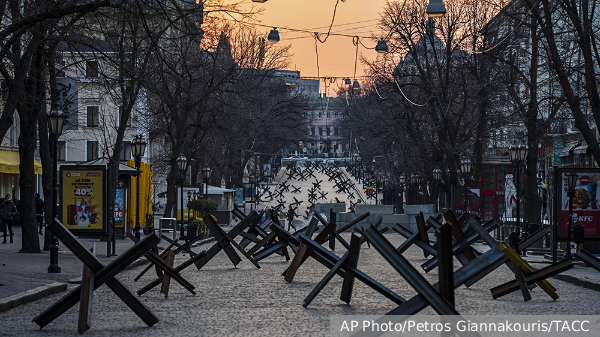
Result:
{"points": [[325, 207], [416, 209], [374, 209]]}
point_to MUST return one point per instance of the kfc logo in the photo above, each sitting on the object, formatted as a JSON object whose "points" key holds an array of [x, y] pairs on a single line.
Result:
{"points": [[583, 218]]}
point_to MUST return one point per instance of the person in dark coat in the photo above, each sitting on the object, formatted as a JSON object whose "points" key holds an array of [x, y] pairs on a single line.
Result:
{"points": [[8, 210], [39, 212], [290, 216]]}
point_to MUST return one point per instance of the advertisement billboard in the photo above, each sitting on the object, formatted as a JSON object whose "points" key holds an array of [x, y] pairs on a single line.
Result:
{"points": [[473, 199], [586, 205], [239, 195], [82, 199], [248, 192], [119, 207], [188, 195]]}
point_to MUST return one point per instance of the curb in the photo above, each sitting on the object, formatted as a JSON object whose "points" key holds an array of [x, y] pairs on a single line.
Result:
{"points": [[26, 297], [579, 282]]}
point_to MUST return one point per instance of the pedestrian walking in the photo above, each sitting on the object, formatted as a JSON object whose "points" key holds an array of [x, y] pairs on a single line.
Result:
{"points": [[8, 211], [39, 212], [290, 216]]}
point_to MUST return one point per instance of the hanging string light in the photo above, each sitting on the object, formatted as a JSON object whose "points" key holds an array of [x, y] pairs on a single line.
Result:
{"points": [[436, 8], [381, 46], [273, 35]]}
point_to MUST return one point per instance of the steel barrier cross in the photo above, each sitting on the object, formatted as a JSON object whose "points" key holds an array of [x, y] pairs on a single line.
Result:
{"points": [[100, 275]]}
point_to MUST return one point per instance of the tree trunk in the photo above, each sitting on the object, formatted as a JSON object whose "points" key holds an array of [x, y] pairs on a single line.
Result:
{"points": [[29, 109], [171, 195], [27, 145], [532, 200]]}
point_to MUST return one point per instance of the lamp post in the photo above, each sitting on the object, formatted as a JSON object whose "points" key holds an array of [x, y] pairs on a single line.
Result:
{"points": [[465, 168], [55, 122], [401, 180], [518, 154], [374, 175], [206, 174], [182, 166], [437, 175], [196, 197], [138, 147], [571, 181]]}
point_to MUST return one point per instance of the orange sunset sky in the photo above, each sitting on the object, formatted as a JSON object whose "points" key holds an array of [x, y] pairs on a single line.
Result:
{"points": [[337, 54]]}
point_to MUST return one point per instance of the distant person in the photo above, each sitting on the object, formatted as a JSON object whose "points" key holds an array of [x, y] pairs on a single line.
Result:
{"points": [[39, 212], [290, 216], [8, 210]]}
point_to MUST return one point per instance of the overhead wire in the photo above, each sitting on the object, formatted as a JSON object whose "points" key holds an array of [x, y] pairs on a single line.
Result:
{"points": [[408, 99], [331, 25], [355, 41]]}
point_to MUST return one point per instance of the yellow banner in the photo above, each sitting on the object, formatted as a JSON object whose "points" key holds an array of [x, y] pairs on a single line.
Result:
{"points": [[82, 199]]}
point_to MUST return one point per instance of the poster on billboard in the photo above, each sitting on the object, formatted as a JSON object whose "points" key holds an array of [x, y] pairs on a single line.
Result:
{"points": [[473, 200], [188, 195], [248, 192], [119, 209], [239, 195], [586, 205], [82, 199]]}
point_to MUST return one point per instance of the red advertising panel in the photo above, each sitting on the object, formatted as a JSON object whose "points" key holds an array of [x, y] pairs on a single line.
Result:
{"points": [[473, 199], [586, 205]]}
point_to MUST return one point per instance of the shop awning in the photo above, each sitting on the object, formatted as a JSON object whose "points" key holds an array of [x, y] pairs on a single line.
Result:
{"points": [[567, 150], [580, 149], [9, 162]]}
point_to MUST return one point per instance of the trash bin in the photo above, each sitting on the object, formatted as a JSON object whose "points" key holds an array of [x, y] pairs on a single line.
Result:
{"points": [[533, 227], [578, 233]]}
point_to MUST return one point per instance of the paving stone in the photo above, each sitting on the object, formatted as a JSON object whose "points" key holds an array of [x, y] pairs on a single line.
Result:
{"points": [[246, 301]]}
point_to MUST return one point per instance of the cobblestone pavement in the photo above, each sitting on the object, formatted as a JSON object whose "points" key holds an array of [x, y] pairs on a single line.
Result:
{"points": [[246, 301]]}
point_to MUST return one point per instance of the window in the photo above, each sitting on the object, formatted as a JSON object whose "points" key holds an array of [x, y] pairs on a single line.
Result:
{"points": [[337, 131], [60, 66], [93, 116], [328, 131], [128, 123], [320, 131], [62, 150], [320, 114], [91, 68], [312, 130], [125, 151], [328, 114], [92, 150], [312, 114]]}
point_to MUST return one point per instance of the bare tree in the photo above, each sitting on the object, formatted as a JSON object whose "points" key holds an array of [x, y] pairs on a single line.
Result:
{"points": [[431, 92]]}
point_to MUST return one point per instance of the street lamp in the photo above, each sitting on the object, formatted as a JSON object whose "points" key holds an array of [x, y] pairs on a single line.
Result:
{"points": [[465, 168], [571, 181], [518, 154], [182, 166], [206, 174], [273, 36], [138, 147], [381, 47], [56, 120], [414, 179], [437, 175]]}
